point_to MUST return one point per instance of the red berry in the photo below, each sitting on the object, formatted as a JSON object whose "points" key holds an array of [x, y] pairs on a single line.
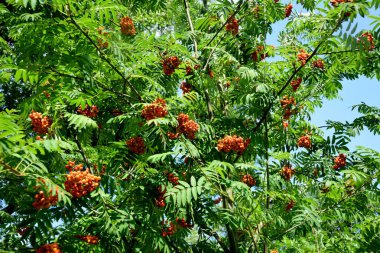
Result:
{"points": [[127, 26], [136, 145], [288, 10], [232, 26], [304, 142], [155, 110], [287, 172]]}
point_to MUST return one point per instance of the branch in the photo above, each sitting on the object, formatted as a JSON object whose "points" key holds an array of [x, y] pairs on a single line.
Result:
{"points": [[191, 27], [81, 151], [208, 232], [295, 72], [238, 8], [103, 86], [11, 169], [104, 56]]}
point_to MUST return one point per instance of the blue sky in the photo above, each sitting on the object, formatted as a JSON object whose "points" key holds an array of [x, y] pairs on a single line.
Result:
{"points": [[354, 92]]}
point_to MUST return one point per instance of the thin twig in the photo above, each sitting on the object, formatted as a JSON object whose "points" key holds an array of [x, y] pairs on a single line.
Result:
{"points": [[81, 151], [103, 55], [191, 27], [238, 8], [266, 111]]}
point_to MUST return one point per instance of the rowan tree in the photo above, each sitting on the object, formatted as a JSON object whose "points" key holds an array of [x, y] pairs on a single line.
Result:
{"points": [[174, 126]]}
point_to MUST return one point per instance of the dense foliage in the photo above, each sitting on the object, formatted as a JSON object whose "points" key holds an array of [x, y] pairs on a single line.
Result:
{"points": [[173, 126]]}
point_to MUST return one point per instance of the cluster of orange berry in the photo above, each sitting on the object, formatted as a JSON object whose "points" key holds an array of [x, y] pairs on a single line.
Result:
{"points": [[127, 26], [183, 223], [40, 123], [102, 43], [168, 230], [81, 183], [286, 104], [155, 110], [302, 56], [232, 25], [319, 64], [160, 200], [290, 205], [42, 202], [248, 180], [296, 83], [173, 179], [288, 10], [88, 111], [49, 248], [287, 172], [185, 87], [304, 142], [233, 143], [259, 54], [186, 126], [136, 145], [367, 39], [339, 161], [170, 64], [90, 239]]}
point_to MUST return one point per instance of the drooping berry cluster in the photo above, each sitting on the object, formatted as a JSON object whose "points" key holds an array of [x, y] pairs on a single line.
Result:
{"points": [[287, 104], [102, 43], [183, 223], [173, 179], [155, 110], [319, 64], [89, 111], [90, 239], [70, 166], [186, 126], [367, 40], [81, 183], [248, 180], [232, 26], [168, 230], [304, 142], [339, 161], [288, 10], [160, 200], [296, 83], [290, 205], [170, 64], [287, 172], [136, 145], [185, 87], [127, 26], [40, 123], [49, 248], [259, 54], [172, 135], [189, 70], [42, 201], [233, 143], [302, 56]]}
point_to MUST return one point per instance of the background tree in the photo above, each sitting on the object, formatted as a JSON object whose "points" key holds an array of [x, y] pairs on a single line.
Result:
{"points": [[100, 151]]}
